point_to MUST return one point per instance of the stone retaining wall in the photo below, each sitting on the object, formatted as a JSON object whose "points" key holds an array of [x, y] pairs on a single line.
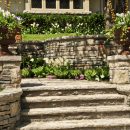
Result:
{"points": [[9, 108], [81, 51], [10, 80]]}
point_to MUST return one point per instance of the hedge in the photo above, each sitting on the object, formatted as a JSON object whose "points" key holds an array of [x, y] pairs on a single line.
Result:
{"points": [[60, 23]]}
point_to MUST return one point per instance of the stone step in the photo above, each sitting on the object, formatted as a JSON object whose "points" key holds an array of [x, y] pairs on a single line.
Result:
{"points": [[95, 124], [64, 90], [79, 100], [75, 113]]}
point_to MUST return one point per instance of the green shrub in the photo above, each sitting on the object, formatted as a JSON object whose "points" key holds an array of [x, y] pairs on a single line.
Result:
{"points": [[39, 72], [74, 73], [62, 23], [26, 73], [98, 74]]}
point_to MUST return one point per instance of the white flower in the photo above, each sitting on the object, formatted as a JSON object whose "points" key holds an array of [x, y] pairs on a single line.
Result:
{"points": [[34, 24], [6, 14], [32, 59]]}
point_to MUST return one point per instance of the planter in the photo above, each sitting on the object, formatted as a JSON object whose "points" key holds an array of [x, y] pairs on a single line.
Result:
{"points": [[119, 69], [124, 42], [13, 37]]}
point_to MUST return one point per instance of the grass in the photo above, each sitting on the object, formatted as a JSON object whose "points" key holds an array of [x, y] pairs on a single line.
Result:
{"points": [[42, 37]]}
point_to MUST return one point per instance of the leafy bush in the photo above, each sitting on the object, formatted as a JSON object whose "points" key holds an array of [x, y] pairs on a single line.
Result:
{"points": [[97, 73], [74, 74], [62, 23], [39, 72], [26, 73]]}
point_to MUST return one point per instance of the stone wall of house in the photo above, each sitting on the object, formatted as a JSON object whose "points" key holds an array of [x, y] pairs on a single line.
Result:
{"points": [[81, 51], [10, 91]]}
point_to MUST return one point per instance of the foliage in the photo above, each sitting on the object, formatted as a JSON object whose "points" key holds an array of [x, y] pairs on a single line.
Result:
{"points": [[97, 73], [62, 23], [26, 73], [121, 23], [39, 72], [9, 23], [61, 68]]}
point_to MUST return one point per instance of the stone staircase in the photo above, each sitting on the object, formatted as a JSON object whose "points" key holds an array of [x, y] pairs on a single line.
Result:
{"points": [[73, 105]]}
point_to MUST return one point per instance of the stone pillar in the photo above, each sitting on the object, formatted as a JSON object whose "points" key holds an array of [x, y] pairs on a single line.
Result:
{"points": [[86, 6], [27, 5], [10, 79], [10, 76], [119, 69], [43, 5], [57, 5], [71, 5]]}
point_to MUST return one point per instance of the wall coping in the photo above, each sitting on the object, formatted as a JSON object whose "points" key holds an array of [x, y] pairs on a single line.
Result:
{"points": [[118, 58], [10, 94], [10, 58]]}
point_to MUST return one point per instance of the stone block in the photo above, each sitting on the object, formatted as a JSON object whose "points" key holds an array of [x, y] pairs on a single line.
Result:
{"points": [[4, 117], [120, 76], [4, 108], [14, 108], [15, 75]]}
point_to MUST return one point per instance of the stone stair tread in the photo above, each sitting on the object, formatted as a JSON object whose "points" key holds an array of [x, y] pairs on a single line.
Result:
{"points": [[73, 124], [72, 98], [63, 110], [68, 87]]}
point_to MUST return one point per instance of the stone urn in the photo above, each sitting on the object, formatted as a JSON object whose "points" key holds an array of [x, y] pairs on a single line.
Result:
{"points": [[13, 37], [119, 69]]}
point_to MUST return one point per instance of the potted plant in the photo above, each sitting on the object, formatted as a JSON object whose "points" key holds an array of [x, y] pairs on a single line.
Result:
{"points": [[120, 32], [10, 31], [119, 65]]}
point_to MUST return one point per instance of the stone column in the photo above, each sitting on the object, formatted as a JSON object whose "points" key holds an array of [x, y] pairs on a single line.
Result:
{"points": [[43, 5], [10, 76], [119, 66], [57, 5], [86, 6], [28, 5], [71, 5]]}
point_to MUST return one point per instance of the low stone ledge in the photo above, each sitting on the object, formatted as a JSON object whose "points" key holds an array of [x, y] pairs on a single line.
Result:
{"points": [[124, 89], [118, 58], [10, 94], [10, 58]]}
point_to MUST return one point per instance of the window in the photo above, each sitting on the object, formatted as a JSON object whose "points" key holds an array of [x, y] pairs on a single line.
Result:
{"points": [[64, 4], [36, 3], [78, 4], [51, 4], [118, 5]]}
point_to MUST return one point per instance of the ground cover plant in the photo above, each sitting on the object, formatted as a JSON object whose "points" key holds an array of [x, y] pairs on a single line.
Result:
{"points": [[61, 68]]}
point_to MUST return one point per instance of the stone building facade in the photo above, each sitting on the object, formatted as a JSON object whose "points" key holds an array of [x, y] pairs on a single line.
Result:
{"points": [[59, 6]]}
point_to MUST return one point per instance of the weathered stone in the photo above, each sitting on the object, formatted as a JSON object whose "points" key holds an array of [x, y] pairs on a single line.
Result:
{"points": [[15, 75], [120, 76], [4, 122], [14, 108], [4, 108], [4, 117]]}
